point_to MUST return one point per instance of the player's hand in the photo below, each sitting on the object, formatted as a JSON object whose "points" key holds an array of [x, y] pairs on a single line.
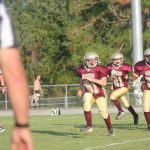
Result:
{"points": [[4, 90], [21, 139], [89, 79], [79, 93]]}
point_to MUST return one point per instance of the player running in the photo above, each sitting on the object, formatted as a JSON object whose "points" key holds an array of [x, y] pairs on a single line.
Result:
{"points": [[119, 72], [143, 68], [93, 77]]}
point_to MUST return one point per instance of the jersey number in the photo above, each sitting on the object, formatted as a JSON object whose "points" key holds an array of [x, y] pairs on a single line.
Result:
{"points": [[118, 82]]}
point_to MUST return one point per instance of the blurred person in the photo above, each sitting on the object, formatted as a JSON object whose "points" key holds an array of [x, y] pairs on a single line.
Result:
{"points": [[119, 73], [35, 98], [2, 82], [13, 71], [142, 71], [3, 89], [93, 79], [37, 85]]}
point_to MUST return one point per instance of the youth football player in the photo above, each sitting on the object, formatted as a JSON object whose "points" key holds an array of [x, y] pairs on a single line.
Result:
{"points": [[143, 68], [93, 77], [119, 72]]}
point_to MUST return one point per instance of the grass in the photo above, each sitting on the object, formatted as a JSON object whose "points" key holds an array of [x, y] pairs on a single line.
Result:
{"points": [[63, 133]]}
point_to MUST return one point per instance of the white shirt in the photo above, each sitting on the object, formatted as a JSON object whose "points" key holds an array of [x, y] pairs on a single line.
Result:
{"points": [[7, 38]]}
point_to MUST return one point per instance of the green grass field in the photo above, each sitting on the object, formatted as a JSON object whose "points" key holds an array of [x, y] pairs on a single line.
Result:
{"points": [[63, 133]]}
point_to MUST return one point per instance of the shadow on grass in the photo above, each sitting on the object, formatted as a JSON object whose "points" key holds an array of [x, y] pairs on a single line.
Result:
{"points": [[129, 126], [56, 133], [142, 127]]}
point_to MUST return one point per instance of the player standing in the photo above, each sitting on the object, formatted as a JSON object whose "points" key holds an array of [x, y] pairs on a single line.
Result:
{"points": [[93, 77], [35, 98], [37, 85], [119, 72]]}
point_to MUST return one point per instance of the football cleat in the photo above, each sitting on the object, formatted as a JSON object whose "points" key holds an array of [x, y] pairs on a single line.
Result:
{"points": [[136, 119], [111, 132], [2, 129], [119, 115], [86, 129]]}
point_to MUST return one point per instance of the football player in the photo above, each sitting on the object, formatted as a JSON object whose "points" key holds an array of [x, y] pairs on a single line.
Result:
{"points": [[143, 68], [93, 77], [119, 72]]}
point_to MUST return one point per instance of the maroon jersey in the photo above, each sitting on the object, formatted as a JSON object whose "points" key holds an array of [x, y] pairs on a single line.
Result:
{"points": [[97, 72], [119, 75], [141, 68]]}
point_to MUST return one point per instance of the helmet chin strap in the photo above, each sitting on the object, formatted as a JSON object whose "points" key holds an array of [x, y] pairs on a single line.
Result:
{"points": [[89, 68], [147, 63], [92, 66], [116, 66]]}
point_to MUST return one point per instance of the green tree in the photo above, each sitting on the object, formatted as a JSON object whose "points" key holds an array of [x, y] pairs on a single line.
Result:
{"points": [[55, 34]]}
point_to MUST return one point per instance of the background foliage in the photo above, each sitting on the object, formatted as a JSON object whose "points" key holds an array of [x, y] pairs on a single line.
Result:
{"points": [[55, 34]]}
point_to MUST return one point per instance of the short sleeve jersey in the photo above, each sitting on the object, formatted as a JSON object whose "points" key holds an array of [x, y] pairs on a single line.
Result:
{"points": [[119, 75], [141, 68], [7, 38], [97, 72]]}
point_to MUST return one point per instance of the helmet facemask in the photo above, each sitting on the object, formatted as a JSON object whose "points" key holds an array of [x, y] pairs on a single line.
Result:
{"points": [[147, 58], [91, 60], [147, 55], [117, 59], [117, 62], [91, 63]]}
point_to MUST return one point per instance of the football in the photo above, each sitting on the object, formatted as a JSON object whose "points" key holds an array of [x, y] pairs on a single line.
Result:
{"points": [[88, 86]]}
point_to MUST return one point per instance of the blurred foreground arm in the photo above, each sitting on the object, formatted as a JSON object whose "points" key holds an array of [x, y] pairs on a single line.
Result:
{"points": [[17, 89], [14, 75]]}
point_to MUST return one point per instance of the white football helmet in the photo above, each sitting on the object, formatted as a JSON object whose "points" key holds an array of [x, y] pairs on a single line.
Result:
{"points": [[146, 55], [91, 59], [117, 59]]}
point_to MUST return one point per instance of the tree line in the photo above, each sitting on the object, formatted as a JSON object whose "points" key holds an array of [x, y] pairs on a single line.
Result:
{"points": [[54, 35]]}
